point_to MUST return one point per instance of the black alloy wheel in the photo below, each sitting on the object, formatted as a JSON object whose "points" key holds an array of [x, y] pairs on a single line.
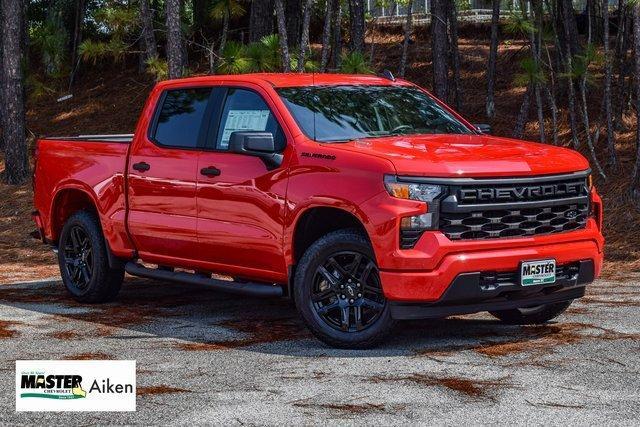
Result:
{"points": [[338, 291], [346, 292], [78, 257]]}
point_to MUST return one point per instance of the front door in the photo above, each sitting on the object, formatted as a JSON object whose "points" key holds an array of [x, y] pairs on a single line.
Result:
{"points": [[162, 178], [240, 201]]}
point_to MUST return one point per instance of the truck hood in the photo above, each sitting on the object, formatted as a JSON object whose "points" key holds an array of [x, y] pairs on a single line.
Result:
{"points": [[470, 155]]}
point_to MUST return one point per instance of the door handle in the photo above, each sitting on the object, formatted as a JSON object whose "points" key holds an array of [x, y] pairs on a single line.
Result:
{"points": [[142, 166], [210, 171]]}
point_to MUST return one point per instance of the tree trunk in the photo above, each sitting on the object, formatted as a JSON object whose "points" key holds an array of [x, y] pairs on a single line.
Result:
{"points": [[356, 18], [148, 37], [337, 34], [225, 31], [570, 84], [567, 14], [622, 46], [452, 16], [304, 37], [611, 143], [493, 56], [536, 45], [523, 114], [175, 52], [635, 183], [326, 36], [260, 19], [77, 36], [282, 34], [585, 109], [12, 111], [293, 12], [439, 49], [407, 37], [200, 13]]}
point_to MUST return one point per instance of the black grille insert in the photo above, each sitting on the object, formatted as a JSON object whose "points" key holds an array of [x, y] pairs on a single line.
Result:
{"points": [[514, 207], [514, 222]]}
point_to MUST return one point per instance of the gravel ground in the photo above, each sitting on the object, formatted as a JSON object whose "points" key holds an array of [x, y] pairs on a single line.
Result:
{"points": [[205, 357]]}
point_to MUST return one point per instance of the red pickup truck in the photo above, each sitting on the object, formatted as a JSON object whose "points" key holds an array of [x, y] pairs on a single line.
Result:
{"points": [[364, 199]]}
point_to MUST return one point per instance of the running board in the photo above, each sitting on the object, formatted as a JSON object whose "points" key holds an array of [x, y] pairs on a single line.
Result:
{"points": [[252, 289]]}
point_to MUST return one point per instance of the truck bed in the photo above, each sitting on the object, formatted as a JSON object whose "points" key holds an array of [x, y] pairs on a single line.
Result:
{"points": [[86, 168]]}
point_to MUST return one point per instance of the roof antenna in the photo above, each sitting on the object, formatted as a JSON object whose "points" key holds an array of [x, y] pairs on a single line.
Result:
{"points": [[388, 75]]}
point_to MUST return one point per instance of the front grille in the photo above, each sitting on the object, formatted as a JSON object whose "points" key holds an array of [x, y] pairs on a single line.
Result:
{"points": [[502, 208], [513, 222]]}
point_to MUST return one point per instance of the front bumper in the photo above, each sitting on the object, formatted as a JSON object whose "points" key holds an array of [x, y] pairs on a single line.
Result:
{"points": [[476, 292]]}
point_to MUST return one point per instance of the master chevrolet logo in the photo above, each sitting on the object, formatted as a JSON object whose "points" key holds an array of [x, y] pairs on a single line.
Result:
{"points": [[522, 192]]}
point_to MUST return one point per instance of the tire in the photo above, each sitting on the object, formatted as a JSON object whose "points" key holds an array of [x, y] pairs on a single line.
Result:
{"points": [[532, 316], [84, 261], [328, 264]]}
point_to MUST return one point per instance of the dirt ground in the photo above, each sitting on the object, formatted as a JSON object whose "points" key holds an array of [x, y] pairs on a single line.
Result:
{"points": [[204, 357]]}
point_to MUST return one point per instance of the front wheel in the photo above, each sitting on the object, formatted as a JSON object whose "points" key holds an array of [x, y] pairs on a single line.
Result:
{"points": [[532, 315], [338, 293]]}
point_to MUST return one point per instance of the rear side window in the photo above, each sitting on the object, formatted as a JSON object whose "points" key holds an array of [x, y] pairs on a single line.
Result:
{"points": [[180, 119], [245, 110]]}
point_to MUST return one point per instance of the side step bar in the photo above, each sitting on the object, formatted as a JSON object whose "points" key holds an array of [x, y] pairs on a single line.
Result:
{"points": [[253, 289]]}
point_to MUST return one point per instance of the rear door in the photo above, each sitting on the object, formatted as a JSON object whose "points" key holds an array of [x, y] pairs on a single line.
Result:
{"points": [[163, 173], [241, 205]]}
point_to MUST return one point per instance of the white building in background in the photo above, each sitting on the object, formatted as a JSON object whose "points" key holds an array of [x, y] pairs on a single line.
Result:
{"points": [[476, 10]]}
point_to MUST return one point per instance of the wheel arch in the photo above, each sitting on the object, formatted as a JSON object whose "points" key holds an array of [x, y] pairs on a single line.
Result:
{"points": [[67, 201], [317, 221]]}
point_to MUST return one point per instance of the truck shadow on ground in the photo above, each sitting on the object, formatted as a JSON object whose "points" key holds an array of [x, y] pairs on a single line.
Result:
{"points": [[195, 319]]}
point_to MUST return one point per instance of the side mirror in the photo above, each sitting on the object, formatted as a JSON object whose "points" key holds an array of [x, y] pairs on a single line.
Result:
{"points": [[257, 144], [483, 128]]}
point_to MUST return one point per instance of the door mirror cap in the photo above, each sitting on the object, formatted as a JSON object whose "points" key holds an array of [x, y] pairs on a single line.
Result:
{"points": [[483, 128], [258, 144]]}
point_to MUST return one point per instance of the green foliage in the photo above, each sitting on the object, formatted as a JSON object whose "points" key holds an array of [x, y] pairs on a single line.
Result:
{"points": [[91, 51], [158, 68], [233, 8], [580, 64], [258, 57], [120, 25], [355, 63], [261, 58], [531, 73], [51, 40], [36, 87], [519, 25], [463, 5], [234, 59], [309, 64]]}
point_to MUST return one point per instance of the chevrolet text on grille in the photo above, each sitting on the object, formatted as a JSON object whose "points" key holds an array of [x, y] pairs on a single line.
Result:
{"points": [[522, 192]]}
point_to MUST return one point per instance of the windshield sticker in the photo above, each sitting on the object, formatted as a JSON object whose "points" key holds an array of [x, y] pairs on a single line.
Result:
{"points": [[239, 120]]}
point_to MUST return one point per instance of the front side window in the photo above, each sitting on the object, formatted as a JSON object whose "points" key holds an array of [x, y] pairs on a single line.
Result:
{"points": [[180, 118], [342, 113], [245, 110]]}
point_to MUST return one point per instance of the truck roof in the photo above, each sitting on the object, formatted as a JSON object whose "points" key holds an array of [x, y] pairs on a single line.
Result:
{"points": [[294, 79]]}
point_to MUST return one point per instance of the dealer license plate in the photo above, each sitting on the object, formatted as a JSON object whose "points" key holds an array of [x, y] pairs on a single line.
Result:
{"points": [[538, 272]]}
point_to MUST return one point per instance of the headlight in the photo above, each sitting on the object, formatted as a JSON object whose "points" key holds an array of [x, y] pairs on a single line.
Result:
{"points": [[412, 191], [428, 193]]}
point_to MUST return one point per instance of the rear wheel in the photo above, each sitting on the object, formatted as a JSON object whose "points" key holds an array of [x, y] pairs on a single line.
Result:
{"points": [[532, 315], [84, 261], [338, 292]]}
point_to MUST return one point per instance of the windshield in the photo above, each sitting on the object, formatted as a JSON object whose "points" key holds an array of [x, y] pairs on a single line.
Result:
{"points": [[341, 113]]}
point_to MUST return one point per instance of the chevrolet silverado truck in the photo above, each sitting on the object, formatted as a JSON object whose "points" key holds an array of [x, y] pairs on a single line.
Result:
{"points": [[364, 199]]}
